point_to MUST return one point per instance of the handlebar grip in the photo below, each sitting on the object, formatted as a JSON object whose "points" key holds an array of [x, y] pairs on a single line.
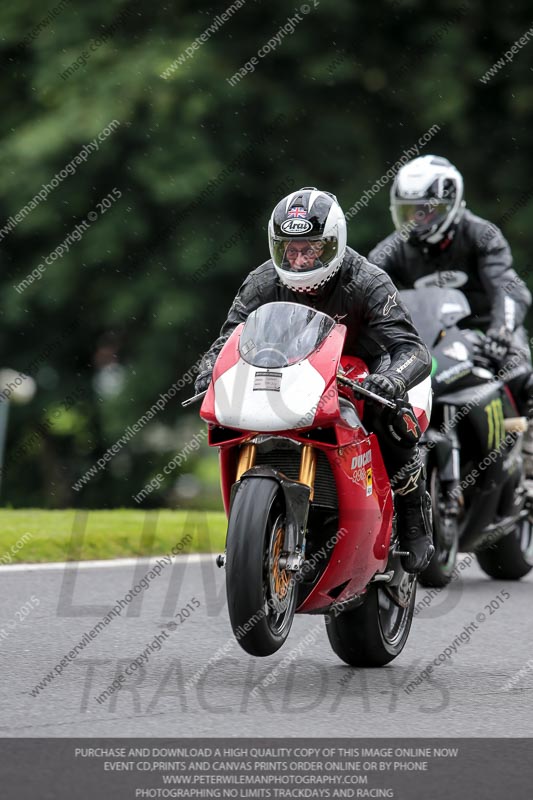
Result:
{"points": [[356, 387]]}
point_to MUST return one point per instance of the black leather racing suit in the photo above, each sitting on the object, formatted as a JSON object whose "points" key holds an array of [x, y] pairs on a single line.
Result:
{"points": [[362, 297], [498, 297]]}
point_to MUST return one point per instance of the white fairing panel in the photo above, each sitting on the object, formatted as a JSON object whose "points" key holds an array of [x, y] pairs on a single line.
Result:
{"points": [[289, 400], [421, 397]]}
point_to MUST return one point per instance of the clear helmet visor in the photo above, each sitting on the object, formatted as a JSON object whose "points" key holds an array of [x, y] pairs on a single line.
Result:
{"points": [[303, 255], [420, 216]]}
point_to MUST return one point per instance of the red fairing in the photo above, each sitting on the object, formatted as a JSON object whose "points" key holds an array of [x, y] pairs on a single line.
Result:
{"points": [[326, 361], [365, 523], [422, 418], [363, 495], [356, 370], [227, 358], [228, 457]]}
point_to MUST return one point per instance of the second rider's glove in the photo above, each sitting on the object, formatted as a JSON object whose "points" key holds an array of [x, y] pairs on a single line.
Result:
{"points": [[497, 343], [387, 385], [202, 382]]}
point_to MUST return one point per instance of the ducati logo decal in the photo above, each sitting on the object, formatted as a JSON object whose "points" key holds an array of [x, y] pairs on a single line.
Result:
{"points": [[389, 305], [360, 461]]}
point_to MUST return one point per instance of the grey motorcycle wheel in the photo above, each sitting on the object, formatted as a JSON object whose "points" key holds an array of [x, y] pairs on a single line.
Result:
{"points": [[440, 569], [374, 633], [261, 595], [510, 558]]}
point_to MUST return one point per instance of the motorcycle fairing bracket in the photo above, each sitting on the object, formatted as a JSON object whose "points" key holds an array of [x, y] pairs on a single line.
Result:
{"points": [[296, 497]]}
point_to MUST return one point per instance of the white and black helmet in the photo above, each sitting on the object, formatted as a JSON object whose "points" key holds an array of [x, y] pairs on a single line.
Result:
{"points": [[307, 216], [427, 199]]}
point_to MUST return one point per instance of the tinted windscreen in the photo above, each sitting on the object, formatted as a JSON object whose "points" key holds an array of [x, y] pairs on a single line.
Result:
{"points": [[280, 334], [433, 309]]}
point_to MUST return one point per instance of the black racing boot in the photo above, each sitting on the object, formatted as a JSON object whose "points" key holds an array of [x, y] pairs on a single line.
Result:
{"points": [[415, 530]]}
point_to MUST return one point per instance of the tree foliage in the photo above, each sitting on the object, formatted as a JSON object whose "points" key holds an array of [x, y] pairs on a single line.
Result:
{"points": [[198, 163]]}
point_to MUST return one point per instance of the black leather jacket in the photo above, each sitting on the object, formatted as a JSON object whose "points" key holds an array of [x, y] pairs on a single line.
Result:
{"points": [[497, 296], [360, 296]]}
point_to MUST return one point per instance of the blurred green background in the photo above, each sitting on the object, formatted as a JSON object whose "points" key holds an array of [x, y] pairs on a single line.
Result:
{"points": [[126, 312]]}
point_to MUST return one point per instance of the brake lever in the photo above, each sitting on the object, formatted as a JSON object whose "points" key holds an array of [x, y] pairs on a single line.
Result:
{"points": [[356, 387], [194, 399]]}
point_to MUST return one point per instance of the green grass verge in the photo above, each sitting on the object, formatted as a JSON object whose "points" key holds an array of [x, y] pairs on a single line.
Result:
{"points": [[34, 535]]}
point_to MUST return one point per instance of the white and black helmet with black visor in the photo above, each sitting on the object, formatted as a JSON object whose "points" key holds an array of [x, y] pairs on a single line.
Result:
{"points": [[307, 238], [426, 199]]}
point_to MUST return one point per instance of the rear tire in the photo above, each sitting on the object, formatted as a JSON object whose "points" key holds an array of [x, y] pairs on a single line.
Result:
{"points": [[510, 558], [374, 633], [261, 596], [439, 571]]}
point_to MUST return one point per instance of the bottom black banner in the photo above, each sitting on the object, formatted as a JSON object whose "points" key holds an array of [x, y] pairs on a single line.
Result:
{"points": [[62, 769]]}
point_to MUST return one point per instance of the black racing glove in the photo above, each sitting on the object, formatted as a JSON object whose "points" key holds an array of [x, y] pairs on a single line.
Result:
{"points": [[202, 382], [387, 385], [497, 343], [402, 422]]}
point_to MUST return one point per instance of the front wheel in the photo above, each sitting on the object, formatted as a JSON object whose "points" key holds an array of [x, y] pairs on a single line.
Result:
{"points": [[261, 595], [510, 558], [439, 571], [375, 632]]}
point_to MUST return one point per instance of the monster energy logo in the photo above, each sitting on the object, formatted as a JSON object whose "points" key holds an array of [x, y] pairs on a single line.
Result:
{"points": [[495, 421]]}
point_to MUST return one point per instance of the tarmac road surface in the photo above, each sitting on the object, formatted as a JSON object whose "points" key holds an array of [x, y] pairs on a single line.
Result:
{"points": [[194, 680]]}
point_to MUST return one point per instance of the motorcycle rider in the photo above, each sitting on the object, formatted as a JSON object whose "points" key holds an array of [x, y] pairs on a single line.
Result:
{"points": [[436, 233], [311, 264]]}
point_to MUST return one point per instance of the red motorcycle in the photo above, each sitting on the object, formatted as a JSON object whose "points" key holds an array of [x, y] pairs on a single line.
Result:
{"points": [[311, 528]]}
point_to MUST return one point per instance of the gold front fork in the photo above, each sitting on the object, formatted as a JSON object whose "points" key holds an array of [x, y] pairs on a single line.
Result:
{"points": [[308, 468], [307, 464], [246, 459]]}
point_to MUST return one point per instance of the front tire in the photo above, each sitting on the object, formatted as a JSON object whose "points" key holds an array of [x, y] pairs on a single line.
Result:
{"points": [[439, 571], [375, 632], [510, 558], [261, 596]]}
